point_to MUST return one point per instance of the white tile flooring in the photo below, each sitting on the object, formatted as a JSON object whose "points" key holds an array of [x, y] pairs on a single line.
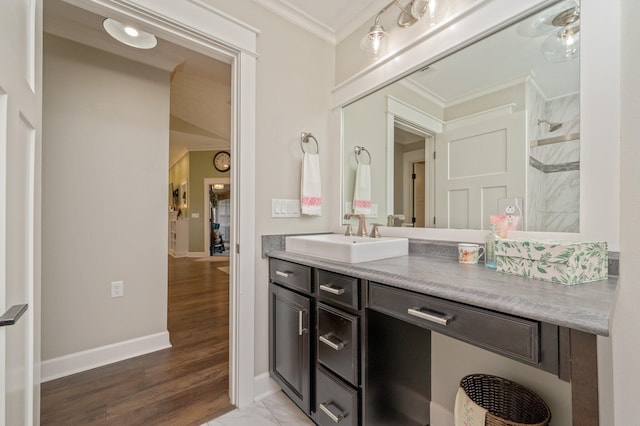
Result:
{"points": [[274, 410]]}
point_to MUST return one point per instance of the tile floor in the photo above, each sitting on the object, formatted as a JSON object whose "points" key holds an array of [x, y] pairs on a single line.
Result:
{"points": [[275, 410]]}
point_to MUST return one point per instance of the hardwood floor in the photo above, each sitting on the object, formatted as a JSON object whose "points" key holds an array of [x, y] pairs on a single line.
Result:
{"points": [[185, 385]]}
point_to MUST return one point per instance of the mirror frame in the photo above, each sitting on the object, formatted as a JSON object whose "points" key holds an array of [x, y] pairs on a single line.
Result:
{"points": [[599, 108]]}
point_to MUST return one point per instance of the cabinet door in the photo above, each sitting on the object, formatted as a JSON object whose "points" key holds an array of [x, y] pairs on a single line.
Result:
{"points": [[289, 344]]}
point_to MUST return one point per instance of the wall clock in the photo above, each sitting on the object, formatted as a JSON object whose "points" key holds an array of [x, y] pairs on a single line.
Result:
{"points": [[222, 161]]}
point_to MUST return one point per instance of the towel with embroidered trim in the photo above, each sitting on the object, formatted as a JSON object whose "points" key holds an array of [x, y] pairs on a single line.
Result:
{"points": [[362, 190], [310, 188]]}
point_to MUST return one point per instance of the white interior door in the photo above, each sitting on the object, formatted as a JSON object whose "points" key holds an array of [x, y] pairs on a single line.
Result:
{"points": [[20, 118], [479, 160]]}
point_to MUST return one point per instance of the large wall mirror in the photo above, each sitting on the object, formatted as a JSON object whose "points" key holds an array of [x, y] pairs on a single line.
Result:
{"points": [[492, 127]]}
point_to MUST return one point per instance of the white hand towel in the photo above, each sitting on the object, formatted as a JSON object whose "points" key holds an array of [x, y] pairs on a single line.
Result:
{"points": [[311, 191], [362, 190], [466, 412]]}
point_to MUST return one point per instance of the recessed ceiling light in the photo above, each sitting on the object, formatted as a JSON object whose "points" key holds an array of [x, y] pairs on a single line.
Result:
{"points": [[129, 35], [131, 31]]}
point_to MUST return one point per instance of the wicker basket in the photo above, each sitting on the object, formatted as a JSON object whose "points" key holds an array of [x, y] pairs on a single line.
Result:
{"points": [[507, 403]]}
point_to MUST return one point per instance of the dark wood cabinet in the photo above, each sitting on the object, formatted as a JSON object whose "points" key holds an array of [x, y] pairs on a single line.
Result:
{"points": [[355, 352], [337, 401], [290, 344]]}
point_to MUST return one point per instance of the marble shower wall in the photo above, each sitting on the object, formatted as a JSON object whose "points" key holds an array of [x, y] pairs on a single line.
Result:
{"points": [[554, 169]]}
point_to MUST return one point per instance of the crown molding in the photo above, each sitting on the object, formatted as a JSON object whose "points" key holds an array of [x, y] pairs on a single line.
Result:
{"points": [[420, 90], [296, 16]]}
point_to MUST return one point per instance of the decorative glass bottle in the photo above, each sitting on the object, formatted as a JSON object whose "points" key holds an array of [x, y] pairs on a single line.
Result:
{"points": [[490, 248]]}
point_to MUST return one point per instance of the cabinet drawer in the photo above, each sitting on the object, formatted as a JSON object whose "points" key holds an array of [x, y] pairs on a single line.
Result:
{"points": [[290, 274], [338, 346], [513, 337], [337, 402], [338, 289]]}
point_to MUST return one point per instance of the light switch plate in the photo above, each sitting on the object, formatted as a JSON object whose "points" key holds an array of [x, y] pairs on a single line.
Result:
{"points": [[117, 288], [374, 211], [285, 208]]}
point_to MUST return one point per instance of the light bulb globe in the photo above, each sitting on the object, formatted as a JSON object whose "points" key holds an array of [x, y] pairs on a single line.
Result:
{"points": [[563, 45], [374, 42]]}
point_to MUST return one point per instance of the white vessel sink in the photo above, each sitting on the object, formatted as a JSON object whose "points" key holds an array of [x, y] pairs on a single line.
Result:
{"points": [[347, 249]]}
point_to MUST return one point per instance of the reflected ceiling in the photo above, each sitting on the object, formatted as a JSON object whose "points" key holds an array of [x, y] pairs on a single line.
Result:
{"points": [[519, 56]]}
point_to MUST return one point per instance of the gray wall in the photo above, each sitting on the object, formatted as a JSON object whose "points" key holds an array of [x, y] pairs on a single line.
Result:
{"points": [[104, 214]]}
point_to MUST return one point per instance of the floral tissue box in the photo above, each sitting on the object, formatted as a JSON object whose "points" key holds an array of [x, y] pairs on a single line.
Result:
{"points": [[564, 262]]}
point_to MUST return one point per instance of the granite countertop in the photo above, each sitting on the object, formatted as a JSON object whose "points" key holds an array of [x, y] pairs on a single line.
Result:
{"points": [[586, 307]]}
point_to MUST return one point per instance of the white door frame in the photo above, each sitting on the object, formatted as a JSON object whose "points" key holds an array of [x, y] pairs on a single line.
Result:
{"points": [[207, 183], [20, 209], [197, 26], [415, 118]]}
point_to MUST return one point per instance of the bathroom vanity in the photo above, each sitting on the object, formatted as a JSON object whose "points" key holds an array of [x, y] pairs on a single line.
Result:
{"points": [[350, 343]]}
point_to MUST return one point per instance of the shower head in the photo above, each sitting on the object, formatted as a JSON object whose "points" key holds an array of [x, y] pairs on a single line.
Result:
{"points": [[552, 126]]}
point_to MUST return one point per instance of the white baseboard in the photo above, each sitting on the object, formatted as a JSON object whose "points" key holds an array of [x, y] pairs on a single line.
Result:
{"points": [[86, 360], [263, 386], [440, 416], [197, 254]]}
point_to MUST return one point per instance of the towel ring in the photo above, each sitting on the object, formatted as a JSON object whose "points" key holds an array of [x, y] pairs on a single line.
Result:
{"points": [[358, 150], [304, 138]]}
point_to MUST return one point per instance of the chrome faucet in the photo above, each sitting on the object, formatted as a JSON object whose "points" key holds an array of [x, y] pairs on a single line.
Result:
{"points": [[362, 225], [375, 232], [391, 219], [349, 231]]}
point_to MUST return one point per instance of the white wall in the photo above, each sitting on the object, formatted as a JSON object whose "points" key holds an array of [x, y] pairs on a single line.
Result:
{"points": [[294, 82], [105, 153], [626, 337]]}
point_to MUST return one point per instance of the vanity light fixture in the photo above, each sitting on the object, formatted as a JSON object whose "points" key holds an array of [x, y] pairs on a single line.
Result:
{"points": [[218, 186], [374, 42], [564, 45], [431, 10], [129, 35]]}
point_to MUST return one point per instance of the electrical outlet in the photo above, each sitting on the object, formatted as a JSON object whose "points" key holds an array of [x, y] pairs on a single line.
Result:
{"points": [[512, 206], [117, 289]]}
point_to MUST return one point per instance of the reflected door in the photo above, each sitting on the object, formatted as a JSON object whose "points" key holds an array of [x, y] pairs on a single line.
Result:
{"points": [[478, 161]]}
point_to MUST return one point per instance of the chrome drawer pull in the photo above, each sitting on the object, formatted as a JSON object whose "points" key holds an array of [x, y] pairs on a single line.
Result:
{"points": [[336, 418], [435, 317], [333, 290], [336, 347], [301, 329], [283, 274]]}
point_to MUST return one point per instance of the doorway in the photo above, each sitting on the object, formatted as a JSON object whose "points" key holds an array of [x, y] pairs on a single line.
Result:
{"points": [[172, 24], [217, 208], [217, 219], [413, 171]]}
